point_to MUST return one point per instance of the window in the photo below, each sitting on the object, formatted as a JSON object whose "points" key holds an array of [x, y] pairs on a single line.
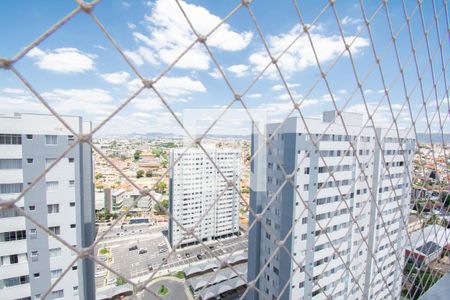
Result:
{"points": [[55, 252], [30, 160], [34, 256], [71, 159], [32, 207], [36, 275], [52, 186], [10, 139], [54, 274], [29, 136], [33, 233], [37, 296], [49, 161], [8, 164], [55, 229], [13, 236], [11, 188], [13, 281], [58, 294], [75, 290], [13, 259], [51, 140], [8, 213], [74, 268], [70, 139], [53, 208], [71, 183], [72, 204], [72, 226]]}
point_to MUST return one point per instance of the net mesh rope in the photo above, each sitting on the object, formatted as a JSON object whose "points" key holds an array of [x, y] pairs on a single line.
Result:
{"points": [[433, 96]]}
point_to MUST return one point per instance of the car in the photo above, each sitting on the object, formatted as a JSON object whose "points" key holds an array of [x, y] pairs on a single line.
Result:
{"points": [[150, 267], [187, 255], [211, 247], [132, 248], [164, 260], [178, 256], [199, 256], [102, 257], [143, 251]]}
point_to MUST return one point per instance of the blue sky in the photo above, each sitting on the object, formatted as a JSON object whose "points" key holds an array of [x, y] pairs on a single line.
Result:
{"points": [[78, 71]]}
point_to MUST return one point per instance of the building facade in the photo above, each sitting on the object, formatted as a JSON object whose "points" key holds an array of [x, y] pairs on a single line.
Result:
{"points": [[344, 235], [198, 191], [62, 201]]}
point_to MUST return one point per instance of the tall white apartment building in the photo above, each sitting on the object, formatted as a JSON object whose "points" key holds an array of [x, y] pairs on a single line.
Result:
{"points": [[62, 201], [198, 191], [364, 214]]}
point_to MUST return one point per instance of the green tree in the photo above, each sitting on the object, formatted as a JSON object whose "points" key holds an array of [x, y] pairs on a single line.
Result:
{"points": [[120, 281], [139, 173], [98, 175], [161, 187], [137, 155], [162, 204], [447, 200], [149, 173]]}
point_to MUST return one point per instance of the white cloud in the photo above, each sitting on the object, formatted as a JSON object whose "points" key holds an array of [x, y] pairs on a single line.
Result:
{"points": [[342, 91], [178, 86], [141, 115], [147, 103], [131, 25], [215, 74], [134, 56], [87, 101], [368, 91], [172, 86], [300, 55], [141, 55], [170, 35], [382, 116], [13, 91], [350, 21], [116, 77], [13, 103], [327, 97], [63, 60], [254, 95], [238, 70], [281, 87]]}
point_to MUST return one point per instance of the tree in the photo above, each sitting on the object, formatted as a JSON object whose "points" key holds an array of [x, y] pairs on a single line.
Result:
{"points": [[161, 187], [98, 175], [149, 173], [137, 155], [139, 173], [120, 281], [162, 204]]}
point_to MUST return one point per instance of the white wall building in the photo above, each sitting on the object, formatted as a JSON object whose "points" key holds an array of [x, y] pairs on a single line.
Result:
{"points": [[30, 261], [311, 267], [195, 184]]}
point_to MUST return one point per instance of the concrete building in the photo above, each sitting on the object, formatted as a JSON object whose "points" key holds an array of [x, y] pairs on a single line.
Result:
{"points": [[316, 265], [63, 201], [195, 185]]}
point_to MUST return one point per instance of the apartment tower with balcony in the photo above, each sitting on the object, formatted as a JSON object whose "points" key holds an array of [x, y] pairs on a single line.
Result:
{"points": [[199, 196], [62, 201], [344, 235]]}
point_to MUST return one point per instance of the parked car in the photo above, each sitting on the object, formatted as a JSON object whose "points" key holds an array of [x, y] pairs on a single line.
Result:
{"points": [[132, 248], [187, 255], [143, 251], [199, 256]]}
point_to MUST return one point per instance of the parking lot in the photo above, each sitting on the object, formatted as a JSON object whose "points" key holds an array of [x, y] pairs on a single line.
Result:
{"points": [[136, 255]]}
